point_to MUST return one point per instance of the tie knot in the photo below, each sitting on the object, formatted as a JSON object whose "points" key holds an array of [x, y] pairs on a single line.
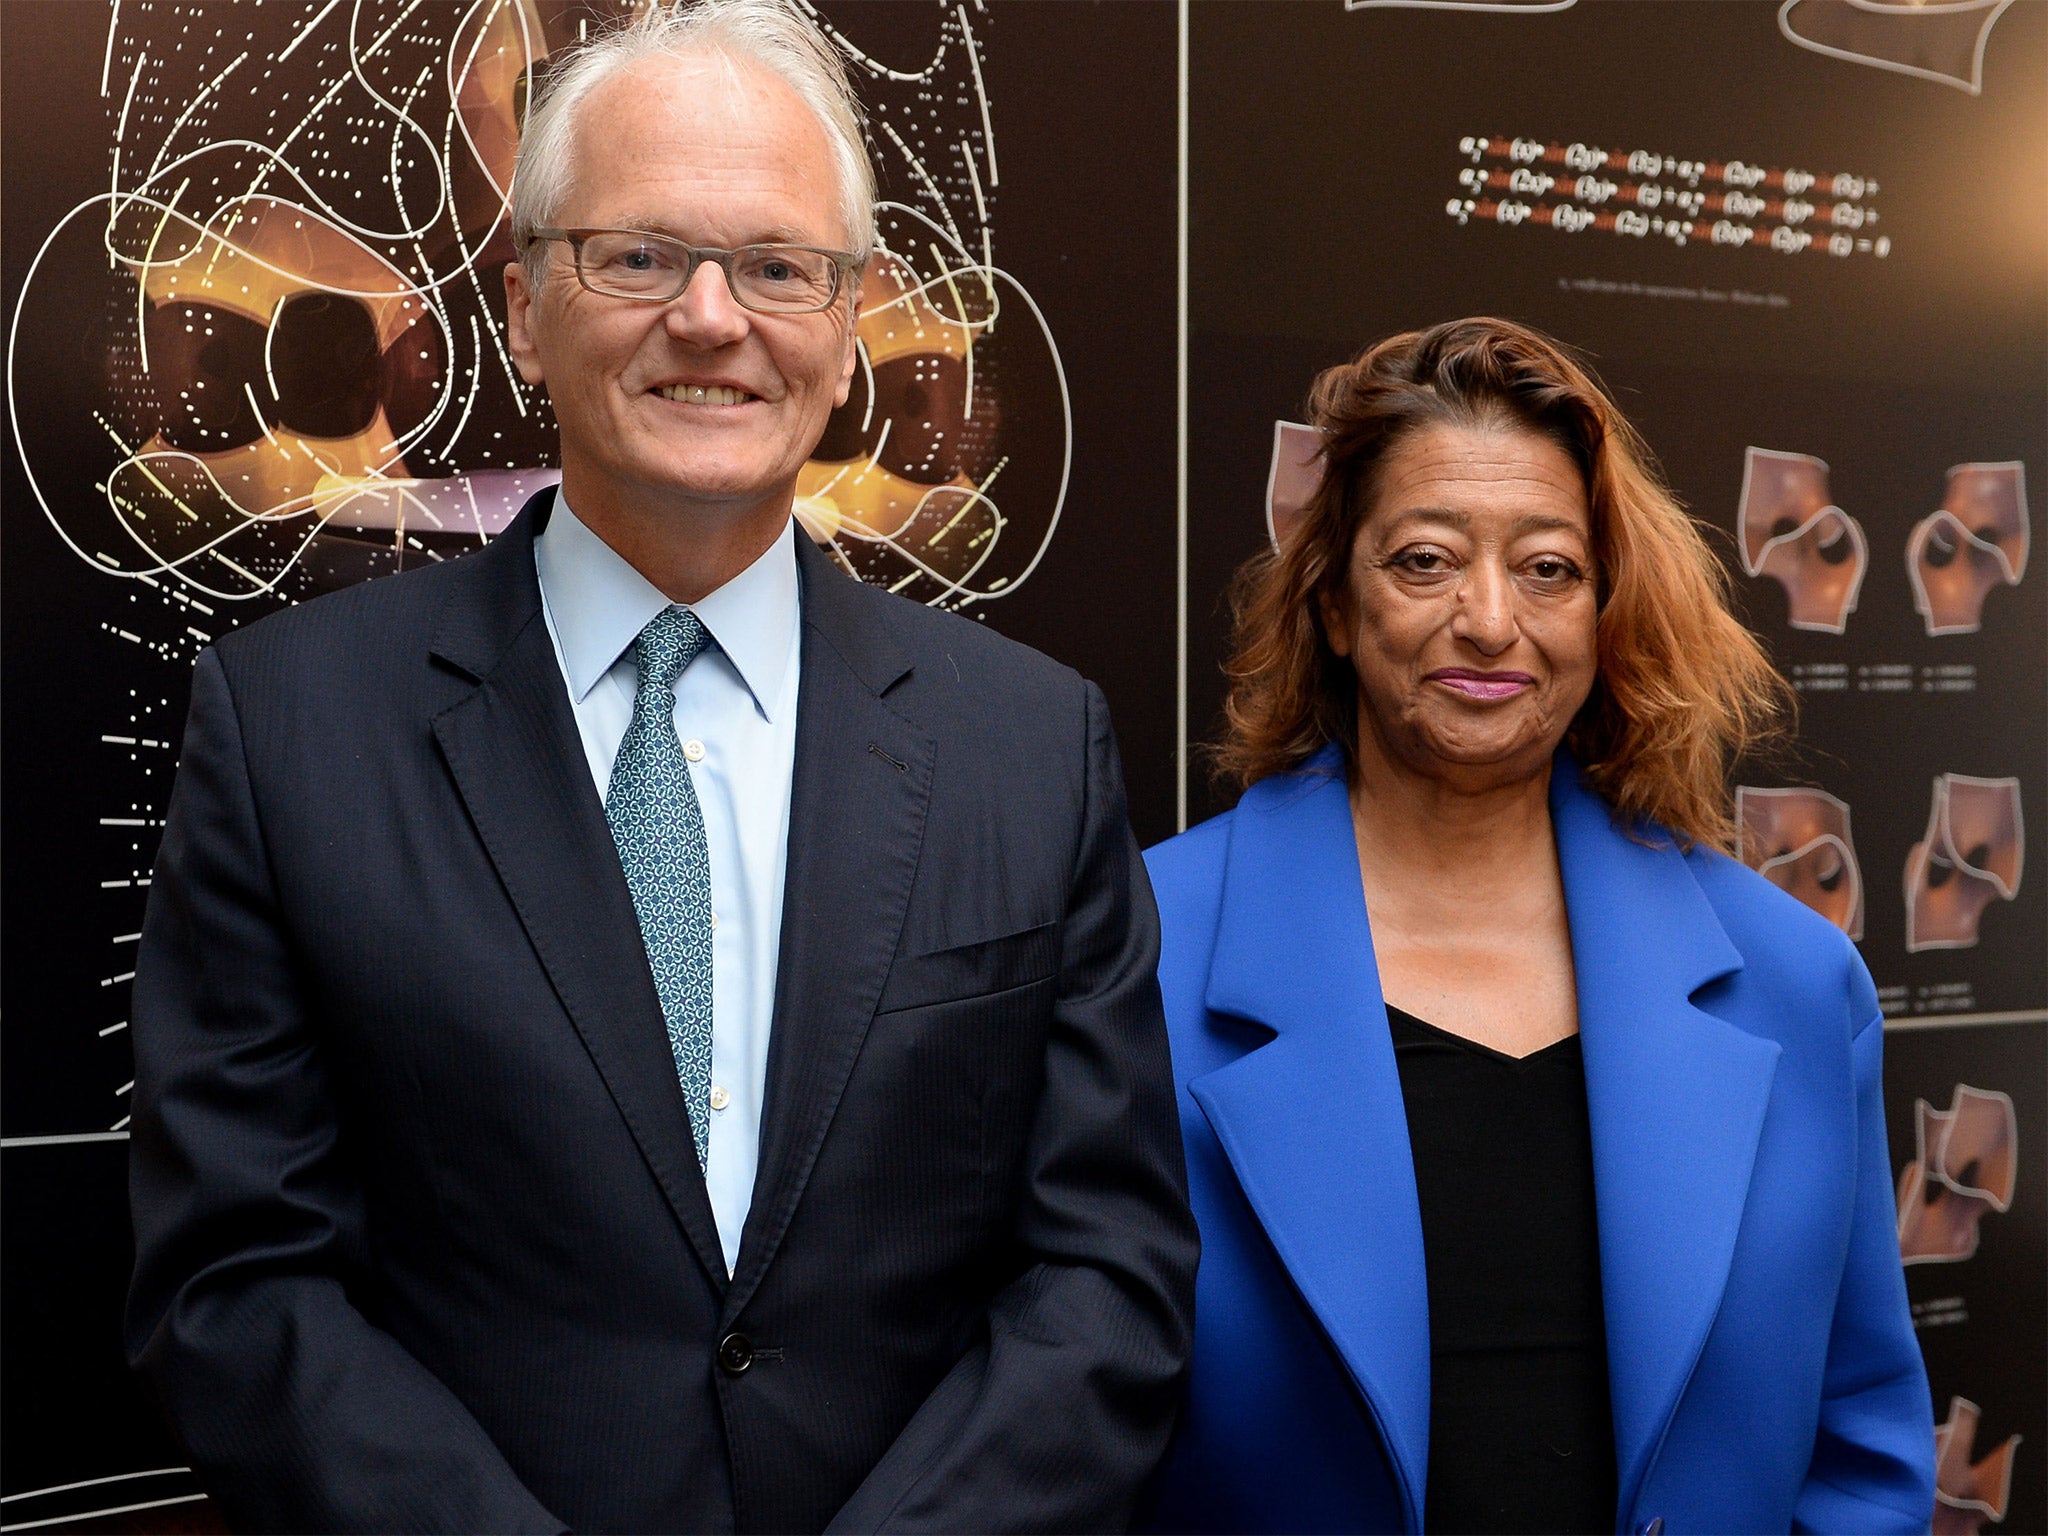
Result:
{"points": [[673, 639]]}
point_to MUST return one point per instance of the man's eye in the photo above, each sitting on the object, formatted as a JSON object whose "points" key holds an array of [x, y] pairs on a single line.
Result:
{"points": [[775, 270], [633, 258]]}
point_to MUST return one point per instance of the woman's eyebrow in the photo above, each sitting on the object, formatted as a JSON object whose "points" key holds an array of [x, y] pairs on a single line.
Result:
{"points": [[1543, 523], [1534, 522], [1451, 515]]}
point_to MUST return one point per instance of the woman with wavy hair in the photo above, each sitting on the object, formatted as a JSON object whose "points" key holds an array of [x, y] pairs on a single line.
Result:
{"points": [[1537, 1145]]}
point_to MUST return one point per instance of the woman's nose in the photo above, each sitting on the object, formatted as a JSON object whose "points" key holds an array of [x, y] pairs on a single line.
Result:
{"points": [[1486, 609]]}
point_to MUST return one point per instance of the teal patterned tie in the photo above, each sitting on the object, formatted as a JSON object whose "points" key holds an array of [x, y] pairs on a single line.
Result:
{"points": [[659, 827]]}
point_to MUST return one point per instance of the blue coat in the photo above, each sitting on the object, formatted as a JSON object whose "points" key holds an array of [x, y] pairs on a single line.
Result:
{"points": [[1763, 1367]]}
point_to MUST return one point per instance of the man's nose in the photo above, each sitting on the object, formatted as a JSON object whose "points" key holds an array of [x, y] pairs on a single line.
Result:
{"points": [[1486, 609], [706, 314]]}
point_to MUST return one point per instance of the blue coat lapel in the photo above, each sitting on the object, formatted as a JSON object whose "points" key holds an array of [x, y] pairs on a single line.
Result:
{"points": [[1677, 1100], [1316, 1130], [1313, 1121]]}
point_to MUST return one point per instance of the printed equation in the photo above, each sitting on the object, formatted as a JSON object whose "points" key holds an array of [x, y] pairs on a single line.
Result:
{"points": [[1644, 195]]}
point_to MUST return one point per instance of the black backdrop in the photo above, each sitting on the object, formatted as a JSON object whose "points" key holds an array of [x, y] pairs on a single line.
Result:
{"points": [[1325, 172], [1077, 189], [1333, 202]]}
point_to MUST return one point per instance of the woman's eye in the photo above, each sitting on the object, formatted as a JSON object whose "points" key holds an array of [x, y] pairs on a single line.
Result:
{"points": [[1551, 569], [1422, 561]]}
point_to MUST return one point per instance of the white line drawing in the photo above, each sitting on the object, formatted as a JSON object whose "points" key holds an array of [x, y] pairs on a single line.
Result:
{"points": [[72, 1516], [304, 374], [1291, 478], [1180, 430], [279, 319], [293, 350], [1975, 540], [945, 475], [1964, 1167], [1799, 840], [1972, 854], [1937, 41], [1969, 1493], [1790, 530], [94, 1514], [903, 497], [91, 1482]]}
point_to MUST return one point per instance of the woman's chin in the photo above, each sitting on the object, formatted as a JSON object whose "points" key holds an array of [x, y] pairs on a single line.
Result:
{"points": [[1481, 760]]}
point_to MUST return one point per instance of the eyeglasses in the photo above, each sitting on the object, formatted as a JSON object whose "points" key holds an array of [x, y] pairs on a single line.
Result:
{"points": [[655, 269]]}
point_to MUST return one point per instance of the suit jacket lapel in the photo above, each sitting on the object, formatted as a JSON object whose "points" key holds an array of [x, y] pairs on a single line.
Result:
{"points": [[1677, 1100], [1313, 1122], [513, 749], [857, 808]]}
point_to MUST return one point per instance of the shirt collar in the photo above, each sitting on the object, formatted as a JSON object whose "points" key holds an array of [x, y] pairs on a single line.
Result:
{"points": [[599, 605]]}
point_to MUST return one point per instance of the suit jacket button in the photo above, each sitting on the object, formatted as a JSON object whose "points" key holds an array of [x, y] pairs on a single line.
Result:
{"points": [[736, 1353], [1654, 1526]]}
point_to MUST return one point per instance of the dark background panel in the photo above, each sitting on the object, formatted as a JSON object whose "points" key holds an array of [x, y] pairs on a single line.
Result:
{"points": [[66, 675], [1980, 1321], [1324, 145], [1089, 211], [1083, 107], [1325, 150], [71, 1414]]}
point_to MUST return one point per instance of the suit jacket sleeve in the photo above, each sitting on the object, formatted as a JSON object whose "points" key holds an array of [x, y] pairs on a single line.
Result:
{"points": [[1056, 1417], [1873, 1457], [251, 1247]]}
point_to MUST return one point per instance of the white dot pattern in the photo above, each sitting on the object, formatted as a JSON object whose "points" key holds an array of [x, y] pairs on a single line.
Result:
{"points": [[659, 828]]}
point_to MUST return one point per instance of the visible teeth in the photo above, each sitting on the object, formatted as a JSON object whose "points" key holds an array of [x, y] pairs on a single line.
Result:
{"points": [[705, 394]]}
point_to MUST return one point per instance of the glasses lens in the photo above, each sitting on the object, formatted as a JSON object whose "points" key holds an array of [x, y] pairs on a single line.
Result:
{"points": [[782, 277], [634, 266]]}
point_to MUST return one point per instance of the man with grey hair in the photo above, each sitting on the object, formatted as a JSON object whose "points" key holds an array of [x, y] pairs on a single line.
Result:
{"points": [[634, 1029]]}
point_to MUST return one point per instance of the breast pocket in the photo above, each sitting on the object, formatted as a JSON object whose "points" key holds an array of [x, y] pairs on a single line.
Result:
{"points": [[979, 969]]}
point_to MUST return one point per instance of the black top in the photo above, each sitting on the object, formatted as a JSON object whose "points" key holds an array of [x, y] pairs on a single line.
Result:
{"points": [[1521, 1436]]}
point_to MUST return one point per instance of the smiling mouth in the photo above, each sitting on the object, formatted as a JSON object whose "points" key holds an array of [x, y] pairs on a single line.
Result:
{"points": [[1482, 685], [705, 394]]}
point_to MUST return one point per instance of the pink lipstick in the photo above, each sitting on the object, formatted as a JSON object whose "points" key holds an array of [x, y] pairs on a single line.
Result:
{"points": [[1486, 686]]}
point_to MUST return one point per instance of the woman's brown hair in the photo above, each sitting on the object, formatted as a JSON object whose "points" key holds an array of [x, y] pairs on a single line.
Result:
{"points": [[1683, 689]]}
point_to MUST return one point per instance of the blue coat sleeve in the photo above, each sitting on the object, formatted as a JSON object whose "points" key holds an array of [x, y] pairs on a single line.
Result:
{"points": [[1873, 1457]]}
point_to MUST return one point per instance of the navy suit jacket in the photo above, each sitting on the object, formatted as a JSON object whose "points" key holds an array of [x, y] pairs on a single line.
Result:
{"points": [[421, 1237], [1763, 1367]]}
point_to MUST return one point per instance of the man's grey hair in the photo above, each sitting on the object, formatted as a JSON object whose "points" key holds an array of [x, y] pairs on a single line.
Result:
{"points": [[773, 34]]}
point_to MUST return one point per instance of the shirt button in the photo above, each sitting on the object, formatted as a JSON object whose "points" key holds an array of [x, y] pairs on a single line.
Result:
{"points": [[719, 1097], [694, 750]]}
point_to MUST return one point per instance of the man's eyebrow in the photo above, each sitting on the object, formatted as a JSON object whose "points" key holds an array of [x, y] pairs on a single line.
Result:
{"points": [[655, 224]]}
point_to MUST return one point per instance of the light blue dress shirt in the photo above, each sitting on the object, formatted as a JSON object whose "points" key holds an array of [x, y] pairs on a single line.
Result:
{"points": [[736, 718]]}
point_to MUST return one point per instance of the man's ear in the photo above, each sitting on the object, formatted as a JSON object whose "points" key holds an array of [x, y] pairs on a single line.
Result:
{"points": [[519, 297], [845, 390]]}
